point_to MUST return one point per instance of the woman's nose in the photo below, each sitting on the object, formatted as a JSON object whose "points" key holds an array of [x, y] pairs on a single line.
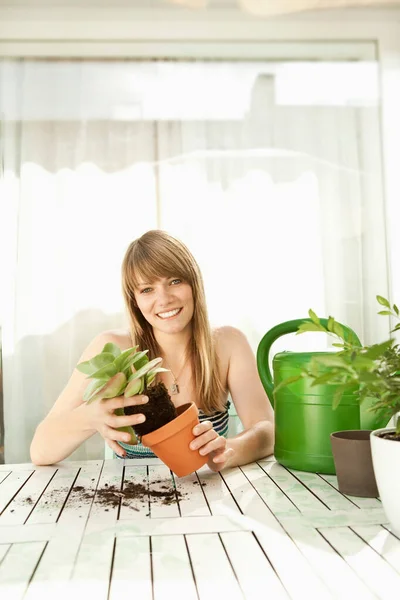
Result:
{"points": [[164, 295]]}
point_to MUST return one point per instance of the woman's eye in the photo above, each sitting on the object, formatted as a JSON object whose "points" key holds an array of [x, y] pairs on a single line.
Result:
{"points": [[145, 290], [176, 281]]}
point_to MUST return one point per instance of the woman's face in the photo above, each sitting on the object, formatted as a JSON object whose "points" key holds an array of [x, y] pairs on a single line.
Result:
{"points": [[166, 303]]}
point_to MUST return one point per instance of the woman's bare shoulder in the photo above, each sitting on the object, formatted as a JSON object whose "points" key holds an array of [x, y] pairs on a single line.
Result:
{"points": [[119, 337], [227, 338]]}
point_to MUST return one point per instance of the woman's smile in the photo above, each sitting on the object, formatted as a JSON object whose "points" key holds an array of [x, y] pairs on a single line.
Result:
{"points": [[169, 314]]}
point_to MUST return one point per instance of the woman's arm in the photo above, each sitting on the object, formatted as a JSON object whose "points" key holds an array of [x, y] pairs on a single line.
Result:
{"points": [[252, 406], [71, 421]]}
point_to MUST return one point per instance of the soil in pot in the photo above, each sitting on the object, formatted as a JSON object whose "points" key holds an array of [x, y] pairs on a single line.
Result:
{"points": [[390, 435], [159, 410]]}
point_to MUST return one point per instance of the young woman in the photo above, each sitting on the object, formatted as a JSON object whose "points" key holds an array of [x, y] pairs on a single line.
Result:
{"points": [[164, 295]]}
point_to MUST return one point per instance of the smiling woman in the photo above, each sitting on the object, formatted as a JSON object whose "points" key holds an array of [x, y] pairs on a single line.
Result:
{"points": [[164, 296]]}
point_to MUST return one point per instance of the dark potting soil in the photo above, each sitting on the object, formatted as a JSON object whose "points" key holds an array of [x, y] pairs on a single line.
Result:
{"points": [[111, 496], [159, 410], [390, 435]]}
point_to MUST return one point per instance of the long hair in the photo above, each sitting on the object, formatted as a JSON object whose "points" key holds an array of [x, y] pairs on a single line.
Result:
{"points": [[154, 255]]}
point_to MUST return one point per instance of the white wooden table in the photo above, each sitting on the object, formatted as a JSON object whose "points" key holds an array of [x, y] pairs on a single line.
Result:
{"points": [[259, 531]]}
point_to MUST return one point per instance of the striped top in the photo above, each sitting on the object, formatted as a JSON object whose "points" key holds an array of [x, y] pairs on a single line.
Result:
{"points": [[219, 420]]}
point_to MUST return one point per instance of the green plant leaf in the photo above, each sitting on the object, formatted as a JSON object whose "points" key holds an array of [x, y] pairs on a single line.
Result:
{"points": [[113, 348], [377, 350], [104, 372], [331, 323], [396, 310], [146, 368], [93, 387], [310, 327], [151, 375], [102, 360], [385, 312], [383, 301], [338, 330], [86, 367], [114, 387], [134, 387], [121, 361], [141, 359], [337, 396], [313, 317]]}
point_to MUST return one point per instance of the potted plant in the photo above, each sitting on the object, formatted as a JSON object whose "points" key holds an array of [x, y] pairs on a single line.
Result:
{"points": [[375, 370], [167, 430]]}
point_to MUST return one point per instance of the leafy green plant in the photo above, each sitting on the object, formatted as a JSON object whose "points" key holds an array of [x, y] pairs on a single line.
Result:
{"points": [[114, 373], [374, 369]]}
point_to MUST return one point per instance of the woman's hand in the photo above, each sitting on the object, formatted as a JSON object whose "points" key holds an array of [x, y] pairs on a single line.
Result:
{"points": [[212, 445], [101, 417]]}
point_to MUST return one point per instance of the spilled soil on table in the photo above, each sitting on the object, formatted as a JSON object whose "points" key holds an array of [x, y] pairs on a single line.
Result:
{"points": [[111, 496]]}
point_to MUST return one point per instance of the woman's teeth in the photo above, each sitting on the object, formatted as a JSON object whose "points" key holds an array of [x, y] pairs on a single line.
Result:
{"points": [[170, 313]]}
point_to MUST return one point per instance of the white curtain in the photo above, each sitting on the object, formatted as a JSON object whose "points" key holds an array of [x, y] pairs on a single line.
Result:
{"points": [[270, 172]]}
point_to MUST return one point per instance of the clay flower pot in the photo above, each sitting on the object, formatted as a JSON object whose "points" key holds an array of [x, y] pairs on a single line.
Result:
{"points": [[171, 442], [353, 461]]}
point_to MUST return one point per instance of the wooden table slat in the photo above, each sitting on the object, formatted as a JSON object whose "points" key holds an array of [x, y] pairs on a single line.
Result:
{"points": [[17, 568], [131, 575], [213, 572], [108, 529], [243, 550], [369, 566], [172, 573]]}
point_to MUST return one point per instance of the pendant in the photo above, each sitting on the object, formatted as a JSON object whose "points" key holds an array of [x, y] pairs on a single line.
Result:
{"points": [[174, 389]]}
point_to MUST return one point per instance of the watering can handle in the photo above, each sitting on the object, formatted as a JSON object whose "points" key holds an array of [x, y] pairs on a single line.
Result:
{"points": [[272, 335]]}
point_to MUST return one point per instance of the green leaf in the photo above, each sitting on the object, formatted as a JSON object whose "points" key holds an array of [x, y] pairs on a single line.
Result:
{"points": [[113, 348], [93, 387], [338, 330], [148, 367], [313, 317], [331, 361], [124, 357], [151, 375], [114, 387], [383, 301], [377, 350], [385, 312], [331, 323], [107, 371], [102, 360], [86, 367], [134, 387], [337, 345], [337, 396], [329, 376], [141, 359], [395, 308], [310, 327]]}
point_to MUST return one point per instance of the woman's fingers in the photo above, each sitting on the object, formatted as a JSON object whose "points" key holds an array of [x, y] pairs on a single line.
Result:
{"points": [[217, 444], [120, 402], [115, 447], [117, 421], [109, 433]]}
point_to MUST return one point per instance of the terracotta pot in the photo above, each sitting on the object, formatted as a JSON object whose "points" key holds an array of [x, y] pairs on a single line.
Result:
{"points": [[353, 462], [171, 442]]}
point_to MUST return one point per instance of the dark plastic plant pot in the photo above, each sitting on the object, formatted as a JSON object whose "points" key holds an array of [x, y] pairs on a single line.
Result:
{"points": [[353, 462]]}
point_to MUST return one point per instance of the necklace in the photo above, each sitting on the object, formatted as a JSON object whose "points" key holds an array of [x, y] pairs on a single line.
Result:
{"points": [[175, 386]]}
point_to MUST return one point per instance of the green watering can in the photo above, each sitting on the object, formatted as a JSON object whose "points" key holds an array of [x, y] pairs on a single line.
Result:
{"points": [[304, 417]]}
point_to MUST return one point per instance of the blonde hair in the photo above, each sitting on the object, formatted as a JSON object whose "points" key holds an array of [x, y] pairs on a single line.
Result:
{"points": [[154, 255]]}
